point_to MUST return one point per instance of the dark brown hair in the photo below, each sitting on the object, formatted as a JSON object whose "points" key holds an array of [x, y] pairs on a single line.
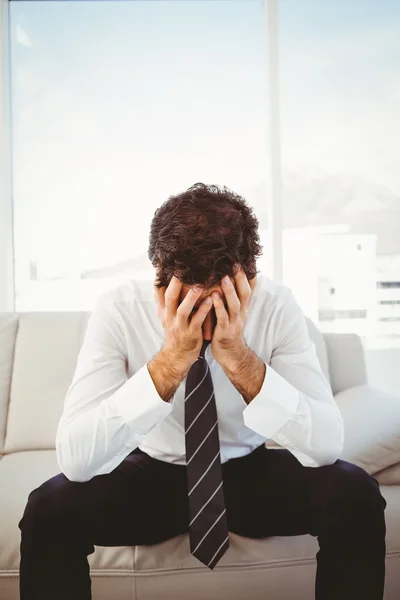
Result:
{"points": [[200, 234]]}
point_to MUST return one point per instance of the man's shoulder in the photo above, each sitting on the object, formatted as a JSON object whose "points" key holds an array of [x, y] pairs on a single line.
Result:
{"points": [[126, 293], [271, 292]]}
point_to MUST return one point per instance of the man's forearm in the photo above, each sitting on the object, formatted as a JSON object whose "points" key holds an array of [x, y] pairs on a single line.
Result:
{"points": [[166, 374], [246, 373]]}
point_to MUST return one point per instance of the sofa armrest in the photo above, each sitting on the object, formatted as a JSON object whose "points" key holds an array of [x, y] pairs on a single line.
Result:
{"points": [[371, 420]]}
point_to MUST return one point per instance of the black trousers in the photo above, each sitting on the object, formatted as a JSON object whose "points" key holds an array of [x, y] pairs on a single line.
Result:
{"points": [[144, 501]]}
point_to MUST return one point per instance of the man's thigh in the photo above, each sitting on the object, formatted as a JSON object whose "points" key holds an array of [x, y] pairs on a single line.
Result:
{"points": [[142, 501], [265, 494], [270, 492]]}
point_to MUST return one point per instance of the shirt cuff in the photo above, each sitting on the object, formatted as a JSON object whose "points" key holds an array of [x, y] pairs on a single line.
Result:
{"points": [[274, 405], [139, 403]]}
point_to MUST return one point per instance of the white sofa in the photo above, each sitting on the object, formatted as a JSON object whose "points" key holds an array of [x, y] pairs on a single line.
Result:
{"points": [[38, 353]]}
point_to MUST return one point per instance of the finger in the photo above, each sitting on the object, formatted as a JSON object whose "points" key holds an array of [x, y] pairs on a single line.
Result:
{"points": [[222, 315], [243, 287], [172, 295], [159, 297], [201, 313], [186, 306], [231, 299]]}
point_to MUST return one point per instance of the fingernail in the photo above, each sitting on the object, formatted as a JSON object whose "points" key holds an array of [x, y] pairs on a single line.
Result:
{"points": [[197, 288], [227, 281]]}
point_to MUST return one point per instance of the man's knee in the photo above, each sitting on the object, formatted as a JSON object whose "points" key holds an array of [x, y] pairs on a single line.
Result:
{"points": [[351, 487], [46, 502]]}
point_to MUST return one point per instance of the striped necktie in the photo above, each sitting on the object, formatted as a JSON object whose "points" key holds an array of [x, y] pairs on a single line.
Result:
{"points": [[208, 528]]}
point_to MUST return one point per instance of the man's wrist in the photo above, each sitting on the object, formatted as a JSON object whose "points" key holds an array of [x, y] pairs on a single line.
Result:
{"points": [[166, 374], [247, 374], [179, 366], [234, 360]]}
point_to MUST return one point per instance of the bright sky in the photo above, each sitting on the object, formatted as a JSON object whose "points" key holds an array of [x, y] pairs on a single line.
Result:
{"points": [[340, 82], [117, 105]]}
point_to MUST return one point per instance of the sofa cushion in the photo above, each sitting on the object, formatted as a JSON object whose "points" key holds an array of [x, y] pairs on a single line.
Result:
{"points": [[45, 357], [371, 427], [346, 360]]}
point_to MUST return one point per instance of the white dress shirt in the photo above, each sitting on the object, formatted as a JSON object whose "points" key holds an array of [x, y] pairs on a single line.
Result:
{"points": [[112, 405]]}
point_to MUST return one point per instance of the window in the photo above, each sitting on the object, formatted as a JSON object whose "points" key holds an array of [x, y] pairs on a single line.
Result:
{"points": [[340, 124], [117, 105]]}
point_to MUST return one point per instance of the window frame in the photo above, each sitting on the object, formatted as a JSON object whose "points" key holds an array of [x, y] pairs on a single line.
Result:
{"points": [[7, 271]]}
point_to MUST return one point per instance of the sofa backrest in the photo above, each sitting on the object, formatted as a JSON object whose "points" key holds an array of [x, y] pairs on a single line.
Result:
{"points": [[38, 355], [42, 359]]}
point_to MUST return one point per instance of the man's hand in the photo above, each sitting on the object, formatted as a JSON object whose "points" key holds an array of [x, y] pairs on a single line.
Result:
{"points": [[228, 343], [244, 368], [183, 338]]}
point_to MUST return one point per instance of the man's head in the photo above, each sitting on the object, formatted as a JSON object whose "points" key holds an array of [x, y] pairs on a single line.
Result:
{"points": [[199, 235]]}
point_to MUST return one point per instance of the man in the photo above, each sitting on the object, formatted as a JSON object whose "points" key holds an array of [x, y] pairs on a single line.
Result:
{"points": [[175, 393]]}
